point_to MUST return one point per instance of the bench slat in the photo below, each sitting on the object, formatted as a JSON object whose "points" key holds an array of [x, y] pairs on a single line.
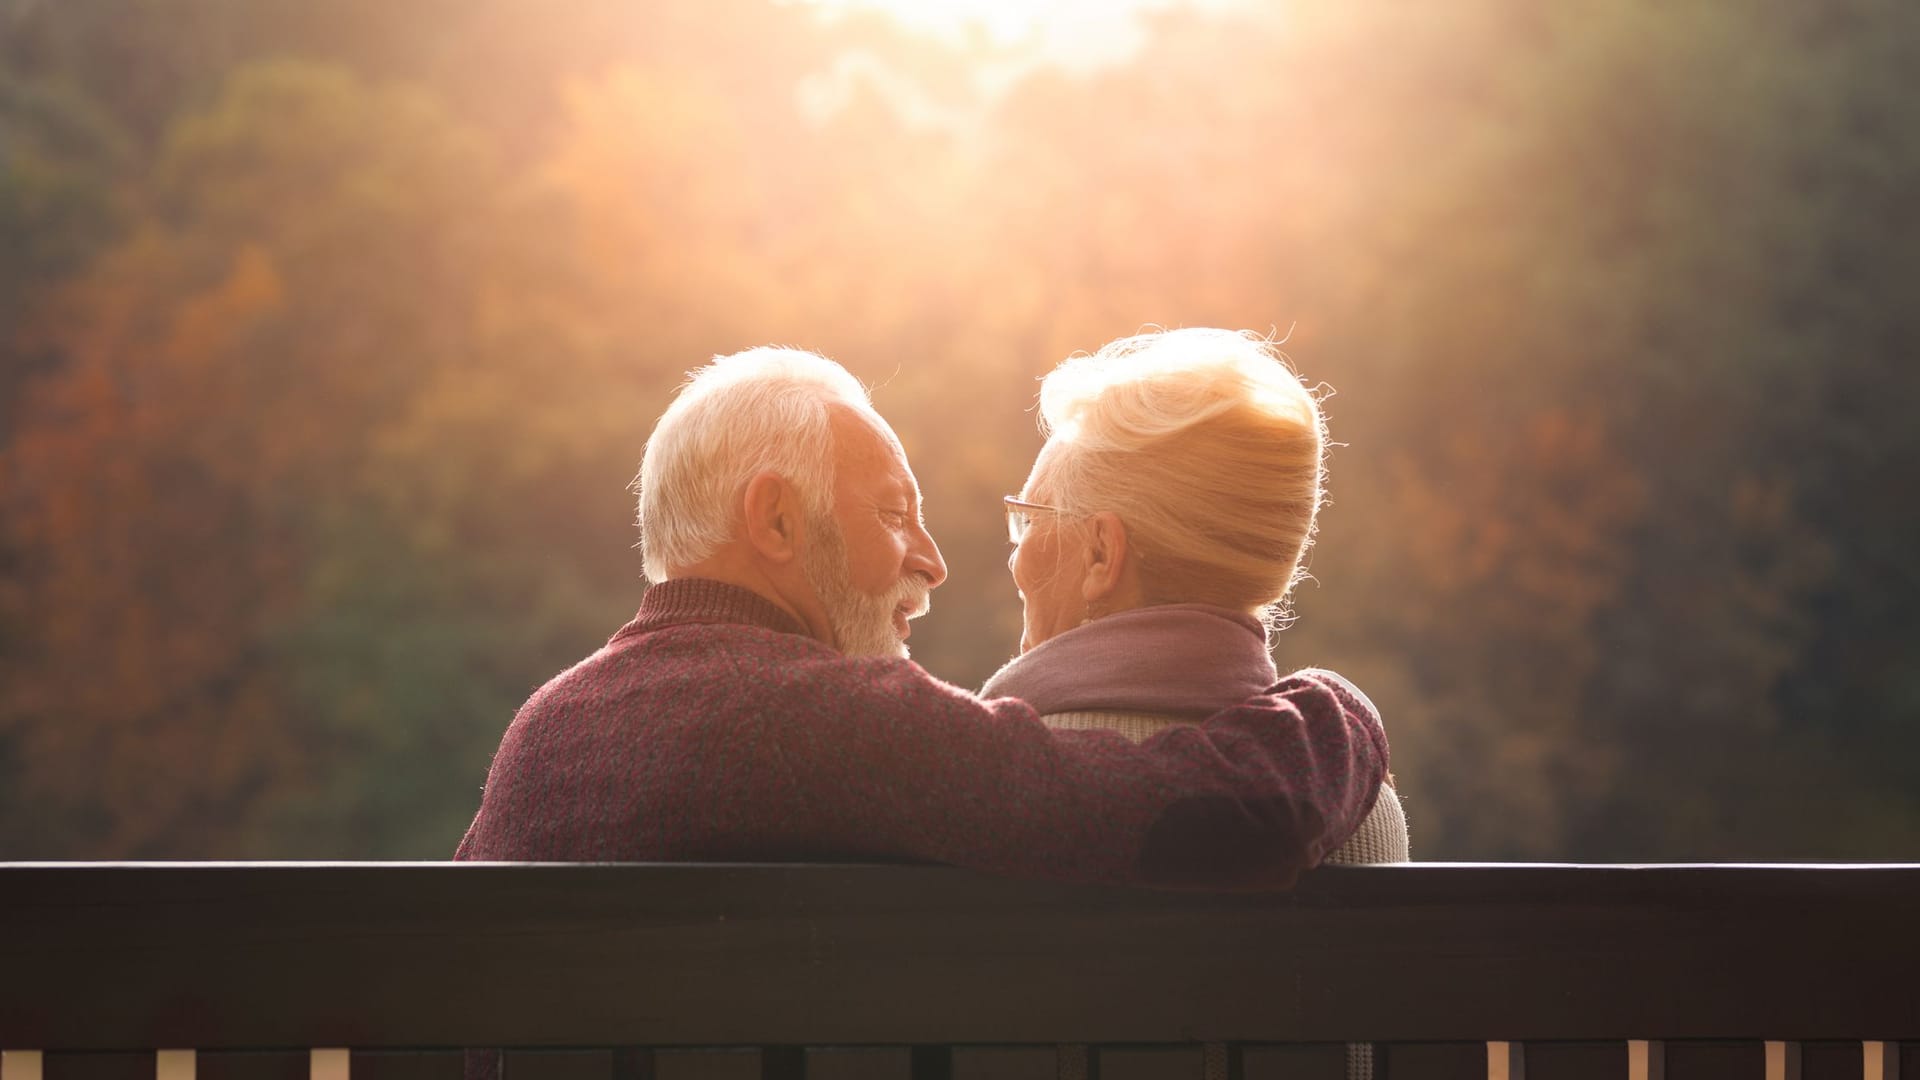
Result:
{"points": [[1577, 1060], [1716, 1060], [1005, 1063], [552, 1065], [728, 1064], [1150, 1063], [1296, 1061], [99, 1066], [254, 1065], [1431, 1061]]}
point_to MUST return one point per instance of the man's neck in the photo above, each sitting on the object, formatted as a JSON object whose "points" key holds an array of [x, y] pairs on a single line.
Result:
{"points": [[729, 565]]}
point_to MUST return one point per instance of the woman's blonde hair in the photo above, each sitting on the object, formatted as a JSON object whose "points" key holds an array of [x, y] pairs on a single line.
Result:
{"points": [[1209, 449]]}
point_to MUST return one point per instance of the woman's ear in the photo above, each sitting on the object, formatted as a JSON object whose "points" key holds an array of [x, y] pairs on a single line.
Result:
{"points": [[773, 520], [1106, 555]]}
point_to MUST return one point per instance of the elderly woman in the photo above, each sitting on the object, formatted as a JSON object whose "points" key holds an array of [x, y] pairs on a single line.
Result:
{"points": [[1161, 529]]}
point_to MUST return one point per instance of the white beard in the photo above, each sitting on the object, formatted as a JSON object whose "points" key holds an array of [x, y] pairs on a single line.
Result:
{"points": [[862, 623]]}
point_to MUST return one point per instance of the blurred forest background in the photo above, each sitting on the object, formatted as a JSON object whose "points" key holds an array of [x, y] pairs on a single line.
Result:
{"points": [[330, 335]]}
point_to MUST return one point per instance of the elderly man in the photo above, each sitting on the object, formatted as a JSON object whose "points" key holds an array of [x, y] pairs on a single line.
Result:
{"points": [[761, 707]]}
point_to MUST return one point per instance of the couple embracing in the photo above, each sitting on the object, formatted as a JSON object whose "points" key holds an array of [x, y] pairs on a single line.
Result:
{"points": [[761, 706]]}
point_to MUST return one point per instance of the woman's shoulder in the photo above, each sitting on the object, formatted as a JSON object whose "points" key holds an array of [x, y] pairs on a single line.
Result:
{"points": [[1341, 686]]}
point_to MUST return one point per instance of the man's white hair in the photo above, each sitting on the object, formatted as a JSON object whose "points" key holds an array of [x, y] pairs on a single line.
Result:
{"points": [[763, 410]]}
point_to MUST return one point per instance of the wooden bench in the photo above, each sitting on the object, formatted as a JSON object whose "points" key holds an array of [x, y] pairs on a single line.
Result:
{"points": [[381, 971]]}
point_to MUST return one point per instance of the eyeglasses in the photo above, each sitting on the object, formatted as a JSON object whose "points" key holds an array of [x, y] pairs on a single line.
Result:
{"points": [[1020, 516]]}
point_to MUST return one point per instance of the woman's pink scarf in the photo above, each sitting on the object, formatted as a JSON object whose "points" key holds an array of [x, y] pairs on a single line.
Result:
{"points": [[1186, 660]]}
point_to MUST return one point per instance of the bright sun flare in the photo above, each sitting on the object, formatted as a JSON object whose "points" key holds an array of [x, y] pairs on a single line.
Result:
{"points": [[1013, 22], [1020, 35], [1003, 21]]}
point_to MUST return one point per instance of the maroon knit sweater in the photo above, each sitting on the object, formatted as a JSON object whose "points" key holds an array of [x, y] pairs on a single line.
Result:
{"points": [[712, 729]]}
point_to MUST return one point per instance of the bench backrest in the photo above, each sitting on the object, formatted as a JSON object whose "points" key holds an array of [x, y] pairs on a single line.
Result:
{"points": [[629, 971]]}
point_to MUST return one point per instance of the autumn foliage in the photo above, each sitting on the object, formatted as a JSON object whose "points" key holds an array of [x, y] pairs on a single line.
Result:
{"points": [[330, 336]]}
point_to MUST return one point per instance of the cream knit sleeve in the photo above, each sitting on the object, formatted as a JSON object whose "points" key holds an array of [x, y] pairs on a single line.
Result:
{"points": [[1381, 838]]}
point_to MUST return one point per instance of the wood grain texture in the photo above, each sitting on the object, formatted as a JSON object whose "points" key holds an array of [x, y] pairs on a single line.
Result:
{"points": [[443, 956]]}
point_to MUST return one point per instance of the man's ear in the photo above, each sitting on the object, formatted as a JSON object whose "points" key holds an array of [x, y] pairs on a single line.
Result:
{"points": [[1106, 556], [773, 523]]}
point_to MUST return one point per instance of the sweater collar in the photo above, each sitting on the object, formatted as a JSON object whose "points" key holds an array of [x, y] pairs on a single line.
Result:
{"points": [[703, 600]]}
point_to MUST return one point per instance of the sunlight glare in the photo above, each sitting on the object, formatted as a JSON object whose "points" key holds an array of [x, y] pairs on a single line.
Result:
{"points": [[1003, 22], [1068, 33], [1003, 41]]}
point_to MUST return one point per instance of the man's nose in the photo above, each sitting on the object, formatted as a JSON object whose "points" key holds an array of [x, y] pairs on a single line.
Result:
{"points": [[924, 558]]}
